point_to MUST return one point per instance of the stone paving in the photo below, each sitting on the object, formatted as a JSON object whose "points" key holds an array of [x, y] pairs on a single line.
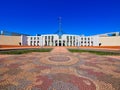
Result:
{"points": [[59, 70]]}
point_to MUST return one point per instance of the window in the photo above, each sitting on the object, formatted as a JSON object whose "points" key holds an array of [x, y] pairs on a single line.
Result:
{"points": [[52, 38], [74, 37], [67, 38], [45, 37], [48, 37]]}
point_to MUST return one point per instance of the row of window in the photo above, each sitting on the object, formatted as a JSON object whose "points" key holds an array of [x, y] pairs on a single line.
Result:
{"points": [[68, 37], [63, 42], [34, 41], [34, 38]]}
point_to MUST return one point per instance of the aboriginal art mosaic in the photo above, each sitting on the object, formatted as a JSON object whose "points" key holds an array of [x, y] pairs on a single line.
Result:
{"points": [[59, 71]]}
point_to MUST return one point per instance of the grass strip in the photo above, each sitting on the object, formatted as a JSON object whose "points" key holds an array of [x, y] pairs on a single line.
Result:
{"points": [[23, 51], [95, 52]]}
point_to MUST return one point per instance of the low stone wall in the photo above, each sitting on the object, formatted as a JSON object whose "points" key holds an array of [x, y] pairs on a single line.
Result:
{"points": [[110, 41], [10, 40], [15, 46]]}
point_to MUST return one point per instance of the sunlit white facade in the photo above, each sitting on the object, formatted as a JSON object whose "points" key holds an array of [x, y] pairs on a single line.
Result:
{"points": [[106, 39], [63, 40]]}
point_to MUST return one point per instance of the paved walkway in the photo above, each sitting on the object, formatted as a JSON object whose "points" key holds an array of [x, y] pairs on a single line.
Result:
{"points": [[60, 50], [59, 70]]}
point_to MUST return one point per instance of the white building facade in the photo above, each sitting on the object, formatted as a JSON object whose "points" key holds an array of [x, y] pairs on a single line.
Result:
{"points": [[60, 39], [63, 40]]}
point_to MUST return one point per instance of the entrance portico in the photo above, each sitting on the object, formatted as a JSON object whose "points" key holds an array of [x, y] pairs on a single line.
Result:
{"points": [[60, 42]]}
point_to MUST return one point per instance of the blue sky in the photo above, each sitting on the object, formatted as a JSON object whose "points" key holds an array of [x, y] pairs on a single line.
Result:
{"points": [[86, 17]]}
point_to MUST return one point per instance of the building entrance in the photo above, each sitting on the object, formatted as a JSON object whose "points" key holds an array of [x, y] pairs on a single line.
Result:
{"points": [[59, 43]]}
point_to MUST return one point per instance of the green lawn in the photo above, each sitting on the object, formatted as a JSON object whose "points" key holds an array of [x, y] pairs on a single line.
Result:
{"points": [[95, 52], [23, 51]]}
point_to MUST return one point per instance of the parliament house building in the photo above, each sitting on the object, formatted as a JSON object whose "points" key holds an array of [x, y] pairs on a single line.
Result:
{"points": [[107, 39]]}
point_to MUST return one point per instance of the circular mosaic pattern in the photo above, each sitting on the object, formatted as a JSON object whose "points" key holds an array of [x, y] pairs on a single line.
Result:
{"points": [[59, 58]]}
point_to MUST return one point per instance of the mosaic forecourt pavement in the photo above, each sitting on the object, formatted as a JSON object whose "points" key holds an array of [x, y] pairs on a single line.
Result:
{"points": [[59, 70]]}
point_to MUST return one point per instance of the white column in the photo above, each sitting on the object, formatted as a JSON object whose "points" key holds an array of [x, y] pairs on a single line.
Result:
{"points": [[61, 42], [53, 42], [36, 40], [90, 41], [72, 40], [86, 41], [50, 40], [79, 41], [47, 40], [42, 39], [66, 42], [75, 40], [83, 41], [32, 42], [69, 41]]}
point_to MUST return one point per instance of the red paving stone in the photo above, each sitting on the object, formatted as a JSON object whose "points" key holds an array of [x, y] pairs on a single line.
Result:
{"points": [[42, 71]]}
